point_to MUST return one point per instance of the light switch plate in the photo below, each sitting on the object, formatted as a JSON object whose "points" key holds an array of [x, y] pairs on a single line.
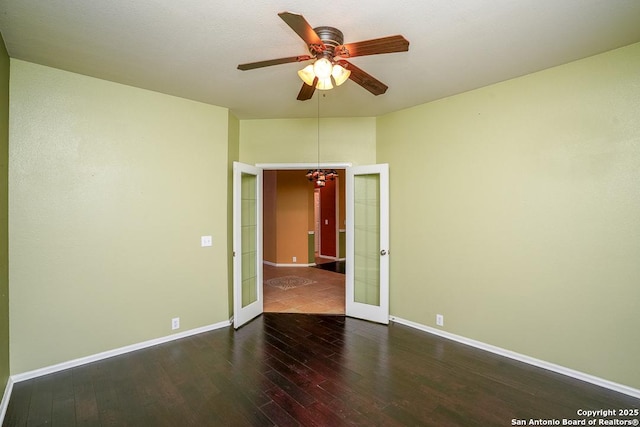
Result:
{"points": [[206, 241]]}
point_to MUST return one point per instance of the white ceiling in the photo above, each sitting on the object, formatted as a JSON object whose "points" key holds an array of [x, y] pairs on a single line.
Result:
{"points": [[191, 48]]}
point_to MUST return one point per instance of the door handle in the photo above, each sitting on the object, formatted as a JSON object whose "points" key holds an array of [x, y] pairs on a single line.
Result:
{"points": [[383, 252]]}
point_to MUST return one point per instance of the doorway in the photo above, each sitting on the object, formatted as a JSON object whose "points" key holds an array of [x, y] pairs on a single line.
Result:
{"points": [[301, 233], [367, 233]]}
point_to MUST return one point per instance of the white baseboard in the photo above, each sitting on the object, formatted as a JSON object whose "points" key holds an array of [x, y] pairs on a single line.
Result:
{"points": [[621, 388], [115, 352], [5, 399], [273, 264]]}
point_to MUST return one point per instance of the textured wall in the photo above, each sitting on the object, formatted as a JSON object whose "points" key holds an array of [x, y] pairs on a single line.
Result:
{"points": [[296, 141], [515, 213], [4, 211], [111, 188]]}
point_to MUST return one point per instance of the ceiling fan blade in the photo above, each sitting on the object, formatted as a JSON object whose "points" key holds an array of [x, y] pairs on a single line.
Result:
{"points": [[303, 29], [270, 62], [364, 79], [389, 44], [306, 91]]}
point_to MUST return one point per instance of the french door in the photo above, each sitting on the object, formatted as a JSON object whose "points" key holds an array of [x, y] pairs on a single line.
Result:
{"points": [[367, 266], [247, 243]]}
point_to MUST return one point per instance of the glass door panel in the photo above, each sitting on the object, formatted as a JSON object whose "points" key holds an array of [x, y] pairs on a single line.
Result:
{"points": [[366, 259], [249, 227], [247, 243], [367, 291]]}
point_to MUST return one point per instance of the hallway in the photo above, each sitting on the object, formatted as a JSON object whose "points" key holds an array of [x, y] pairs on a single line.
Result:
{"points": [[303, 290]]}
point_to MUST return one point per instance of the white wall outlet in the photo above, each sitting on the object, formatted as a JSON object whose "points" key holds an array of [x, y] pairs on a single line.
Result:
{"points": [[206, 241], [295, 259], [439, 320], [175, 323]]}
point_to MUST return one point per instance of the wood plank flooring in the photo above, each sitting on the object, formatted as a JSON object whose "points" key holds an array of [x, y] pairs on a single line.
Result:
{"points": [[311, 370]]}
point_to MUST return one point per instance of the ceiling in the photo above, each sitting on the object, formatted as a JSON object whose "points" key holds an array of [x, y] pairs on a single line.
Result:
{"points": [[191, 48]]}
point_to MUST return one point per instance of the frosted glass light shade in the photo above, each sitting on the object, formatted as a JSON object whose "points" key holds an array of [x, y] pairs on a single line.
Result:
{"points": [[326, 72], [307, 75], [322, 68], [340, 74], [324, 84]]}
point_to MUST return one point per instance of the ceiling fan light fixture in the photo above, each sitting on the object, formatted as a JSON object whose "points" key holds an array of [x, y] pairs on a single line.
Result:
{"points": [[324, 84], [340, 74], [337, 74], [326, 46], [307, 75], [322, 68]]}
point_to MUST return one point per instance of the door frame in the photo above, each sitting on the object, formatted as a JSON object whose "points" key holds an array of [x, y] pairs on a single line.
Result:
{"points": [[307, 166]]}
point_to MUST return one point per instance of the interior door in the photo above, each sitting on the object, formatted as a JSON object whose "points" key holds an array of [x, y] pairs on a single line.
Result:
{"points": [[247, 243], [367, 268]]}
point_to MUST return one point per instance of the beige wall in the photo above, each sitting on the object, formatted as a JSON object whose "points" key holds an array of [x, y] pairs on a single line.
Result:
{"points": [[296, 141], [515, 213], [4, 221], [110, 189]]}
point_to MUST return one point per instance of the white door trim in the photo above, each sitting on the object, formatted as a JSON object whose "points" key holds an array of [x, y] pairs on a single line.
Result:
{"points": [[301, 166]]}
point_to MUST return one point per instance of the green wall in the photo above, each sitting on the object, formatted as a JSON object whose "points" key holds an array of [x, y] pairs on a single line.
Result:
{"points": [[110, 189], [515, 213], [296, 140], [4, 211]]}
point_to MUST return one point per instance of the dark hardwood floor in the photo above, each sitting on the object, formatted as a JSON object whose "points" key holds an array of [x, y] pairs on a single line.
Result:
{"points": [[296, 369]]}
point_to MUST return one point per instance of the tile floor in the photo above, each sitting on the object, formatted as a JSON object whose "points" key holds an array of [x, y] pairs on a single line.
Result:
{"points": [[324, 296]]}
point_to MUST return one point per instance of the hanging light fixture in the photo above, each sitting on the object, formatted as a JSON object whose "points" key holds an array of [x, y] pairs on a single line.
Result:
{"points": [[320, 176], [327, 73]]}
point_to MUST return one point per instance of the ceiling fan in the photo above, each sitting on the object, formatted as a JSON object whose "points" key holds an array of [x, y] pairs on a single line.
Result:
{"points": [[330, 66]]}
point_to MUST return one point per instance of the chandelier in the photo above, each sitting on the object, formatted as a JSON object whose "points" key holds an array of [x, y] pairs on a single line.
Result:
{"points": [[320, 176]]}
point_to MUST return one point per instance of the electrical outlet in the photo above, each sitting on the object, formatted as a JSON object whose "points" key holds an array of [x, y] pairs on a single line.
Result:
{"points": [[439, 320], [175, 323], [206, 241], [295, 259]]}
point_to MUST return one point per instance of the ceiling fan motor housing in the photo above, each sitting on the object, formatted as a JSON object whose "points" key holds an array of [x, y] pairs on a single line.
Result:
{"points": [[331, 37]]}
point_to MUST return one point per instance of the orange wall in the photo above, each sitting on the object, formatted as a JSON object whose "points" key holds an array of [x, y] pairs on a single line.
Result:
{"points": [[289, 217], [293, 217], [286, 216], [269, 207]]}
